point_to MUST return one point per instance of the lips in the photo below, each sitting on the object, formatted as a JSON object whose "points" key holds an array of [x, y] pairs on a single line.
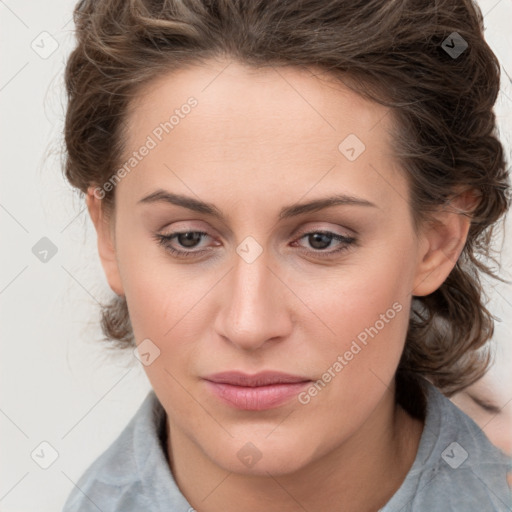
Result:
{"points": [[259, 379], [264, 390]]}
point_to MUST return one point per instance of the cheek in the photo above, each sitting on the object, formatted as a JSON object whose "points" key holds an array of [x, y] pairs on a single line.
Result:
{"points": [[364, 312], [498, 430], [368, 326], [157, 292], [166, 304], [373, 293], [165, 308]]}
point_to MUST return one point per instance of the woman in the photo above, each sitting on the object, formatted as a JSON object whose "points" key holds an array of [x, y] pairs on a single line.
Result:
{"points": [[291, 201]]}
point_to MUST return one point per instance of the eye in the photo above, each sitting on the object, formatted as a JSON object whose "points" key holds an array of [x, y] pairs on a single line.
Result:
{"points": [[185, 238], [319, 240]]}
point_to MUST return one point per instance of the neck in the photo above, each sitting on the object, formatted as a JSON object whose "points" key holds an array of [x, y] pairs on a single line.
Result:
{"points": [[362, 473]]}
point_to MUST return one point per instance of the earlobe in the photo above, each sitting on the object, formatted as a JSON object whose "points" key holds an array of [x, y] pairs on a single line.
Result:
{"points": [[105, 242], [442, 243]]}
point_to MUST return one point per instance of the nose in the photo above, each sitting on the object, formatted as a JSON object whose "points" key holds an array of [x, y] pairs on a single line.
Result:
{"points": [[254, 305]]}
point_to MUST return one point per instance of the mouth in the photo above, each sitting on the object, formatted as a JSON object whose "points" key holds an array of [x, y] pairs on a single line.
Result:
{"points": [[264, 390]]}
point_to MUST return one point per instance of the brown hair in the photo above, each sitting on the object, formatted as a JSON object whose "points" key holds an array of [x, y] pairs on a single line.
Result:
{"points": [[389, 51]]}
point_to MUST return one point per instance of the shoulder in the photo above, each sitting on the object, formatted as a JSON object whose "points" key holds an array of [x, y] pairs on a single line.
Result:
{"points": [[456, 467], [116, 479]]}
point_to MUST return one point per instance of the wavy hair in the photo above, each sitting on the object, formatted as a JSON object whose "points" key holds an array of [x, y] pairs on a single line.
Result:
{"points": [[389, 51]]}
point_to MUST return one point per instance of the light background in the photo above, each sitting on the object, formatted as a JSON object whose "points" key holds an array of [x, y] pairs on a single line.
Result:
{"points": [[58, 382]]}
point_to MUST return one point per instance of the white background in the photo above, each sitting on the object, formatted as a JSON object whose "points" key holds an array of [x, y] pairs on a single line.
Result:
{"points": [[58, 383]]}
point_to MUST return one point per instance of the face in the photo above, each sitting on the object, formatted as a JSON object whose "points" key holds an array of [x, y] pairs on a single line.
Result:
{"points": [[258, 283], [488, 401]]}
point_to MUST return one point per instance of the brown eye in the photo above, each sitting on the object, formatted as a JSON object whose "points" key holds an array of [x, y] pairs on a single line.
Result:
{"points": [[186, 239], [320, 240]]}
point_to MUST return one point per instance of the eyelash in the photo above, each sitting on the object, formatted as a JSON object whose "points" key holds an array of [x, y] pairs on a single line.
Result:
{"points": [[165, 240]]}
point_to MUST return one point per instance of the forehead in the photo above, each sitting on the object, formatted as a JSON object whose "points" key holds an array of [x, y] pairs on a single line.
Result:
{"points": [[281, 126], [258, 100]]}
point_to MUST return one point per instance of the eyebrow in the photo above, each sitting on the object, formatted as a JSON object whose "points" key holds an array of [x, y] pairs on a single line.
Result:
{"points": [[293, 210]]}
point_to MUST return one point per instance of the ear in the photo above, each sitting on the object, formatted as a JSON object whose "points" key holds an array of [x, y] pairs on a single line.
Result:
{"points": [[443, 240], [106, 245]]}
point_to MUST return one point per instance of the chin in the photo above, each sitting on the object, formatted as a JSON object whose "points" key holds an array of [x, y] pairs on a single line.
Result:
{"points": [[259, 456]]}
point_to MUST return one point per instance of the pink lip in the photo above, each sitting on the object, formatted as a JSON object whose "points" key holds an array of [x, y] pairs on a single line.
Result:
{"points": [[264, 390]]}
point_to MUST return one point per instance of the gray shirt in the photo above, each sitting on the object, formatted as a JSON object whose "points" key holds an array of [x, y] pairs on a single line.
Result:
{"points": [[456, 468]]}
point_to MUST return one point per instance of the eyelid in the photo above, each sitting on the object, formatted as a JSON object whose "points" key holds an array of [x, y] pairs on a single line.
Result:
{"points": [[349, 233], [345, 244], [301, 232], [485, 404]]}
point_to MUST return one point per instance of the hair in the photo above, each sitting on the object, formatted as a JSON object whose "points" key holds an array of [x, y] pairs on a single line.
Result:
{"points": [[391, 52]]}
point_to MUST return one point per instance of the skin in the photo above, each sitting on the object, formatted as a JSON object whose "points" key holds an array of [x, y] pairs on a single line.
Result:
{"points": [[481, 402], [488, 401], [257, 141]]}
